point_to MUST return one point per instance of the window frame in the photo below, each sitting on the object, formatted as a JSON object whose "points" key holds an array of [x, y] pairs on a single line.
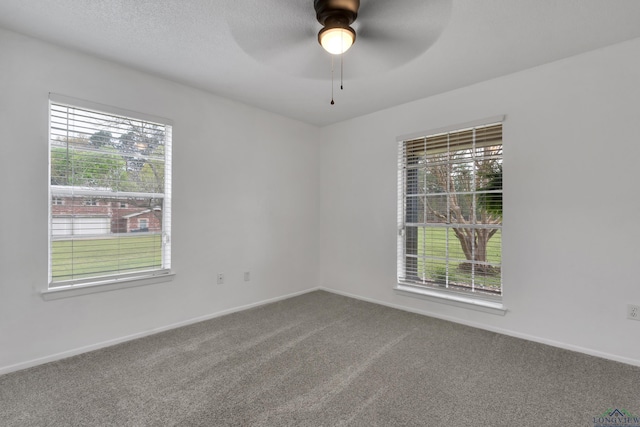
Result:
{"points": [[477, 300], [100, 283]]}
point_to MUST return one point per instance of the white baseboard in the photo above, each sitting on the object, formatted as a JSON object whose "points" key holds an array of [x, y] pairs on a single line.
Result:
{"points": [[565, 346], [97, 346]]}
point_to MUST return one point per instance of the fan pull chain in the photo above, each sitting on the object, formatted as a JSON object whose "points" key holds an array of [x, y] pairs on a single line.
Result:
{"points": [[341, 59], [341, 67], [341, 75], [332, 80]]}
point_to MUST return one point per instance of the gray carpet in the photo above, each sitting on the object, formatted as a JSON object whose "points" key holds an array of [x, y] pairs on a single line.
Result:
{"points": [[321, 360]]}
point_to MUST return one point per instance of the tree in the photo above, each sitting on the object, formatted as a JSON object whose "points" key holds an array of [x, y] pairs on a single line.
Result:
{"points": [[100, 138], [133, 161], [491, 198], [458, 176], [77, 167], [151, 176], [142, 147], [140, 140]]}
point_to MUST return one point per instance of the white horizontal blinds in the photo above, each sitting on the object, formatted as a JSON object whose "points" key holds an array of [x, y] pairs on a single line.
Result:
{"points": [[450, 209], [168, 185], [110, 195]]}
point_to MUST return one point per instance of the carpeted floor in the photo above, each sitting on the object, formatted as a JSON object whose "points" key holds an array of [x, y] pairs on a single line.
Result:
{"points": [[321, 360]]}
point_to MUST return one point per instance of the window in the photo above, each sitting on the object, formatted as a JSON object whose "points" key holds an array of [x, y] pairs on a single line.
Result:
{"points": [[143, 224], [57, 201], [103, 158], [450, 211]]}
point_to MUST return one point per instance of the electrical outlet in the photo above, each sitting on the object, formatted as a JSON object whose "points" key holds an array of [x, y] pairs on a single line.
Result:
{"points": [[247, 276], [633, 312], [220, 278]]}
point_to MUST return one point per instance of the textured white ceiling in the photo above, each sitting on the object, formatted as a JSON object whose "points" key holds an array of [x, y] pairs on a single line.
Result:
{"points": [[219, 45]]}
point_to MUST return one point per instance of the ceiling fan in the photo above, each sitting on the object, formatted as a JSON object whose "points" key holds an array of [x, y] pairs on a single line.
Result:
{"points": [[284, 34]]}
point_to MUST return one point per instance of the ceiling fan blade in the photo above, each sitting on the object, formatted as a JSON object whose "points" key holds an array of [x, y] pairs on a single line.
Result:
{"points": [[401, 13], [401, 30], [303, 59], [283, 34], [264, 29]]}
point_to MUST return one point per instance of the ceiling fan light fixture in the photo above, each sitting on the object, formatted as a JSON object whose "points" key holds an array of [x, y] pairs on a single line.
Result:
{"points": [[336, 40]]}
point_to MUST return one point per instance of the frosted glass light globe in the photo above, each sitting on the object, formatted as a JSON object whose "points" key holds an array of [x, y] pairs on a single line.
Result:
{"points": [[336, 40]]}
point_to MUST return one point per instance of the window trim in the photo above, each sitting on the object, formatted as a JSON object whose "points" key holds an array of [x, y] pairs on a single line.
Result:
{"points": [[476, 301], [474, 123], [86, 288], [119, 281], [457, 300]]}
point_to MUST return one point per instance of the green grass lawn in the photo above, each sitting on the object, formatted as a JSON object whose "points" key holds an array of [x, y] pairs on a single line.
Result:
{"points": [[78, 258], [432, 251]]}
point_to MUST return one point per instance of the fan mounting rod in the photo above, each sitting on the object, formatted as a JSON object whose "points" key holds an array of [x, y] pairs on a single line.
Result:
{"points": [[344, 11]]}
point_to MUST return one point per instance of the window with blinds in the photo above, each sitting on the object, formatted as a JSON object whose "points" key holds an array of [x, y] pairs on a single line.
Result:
{"points": [[450, 211], [109, 194]]}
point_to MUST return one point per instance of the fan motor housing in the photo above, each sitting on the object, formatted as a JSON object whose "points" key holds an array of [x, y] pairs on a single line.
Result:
{"points": [[339, 13]]}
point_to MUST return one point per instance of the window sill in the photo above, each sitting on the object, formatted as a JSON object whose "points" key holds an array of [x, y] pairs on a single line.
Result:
{"points": [[104, 286], [492, 307]]}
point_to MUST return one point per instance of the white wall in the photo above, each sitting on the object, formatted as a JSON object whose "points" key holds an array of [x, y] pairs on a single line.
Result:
{"points": [[570, 258], [571, 232], [245, 198]]}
